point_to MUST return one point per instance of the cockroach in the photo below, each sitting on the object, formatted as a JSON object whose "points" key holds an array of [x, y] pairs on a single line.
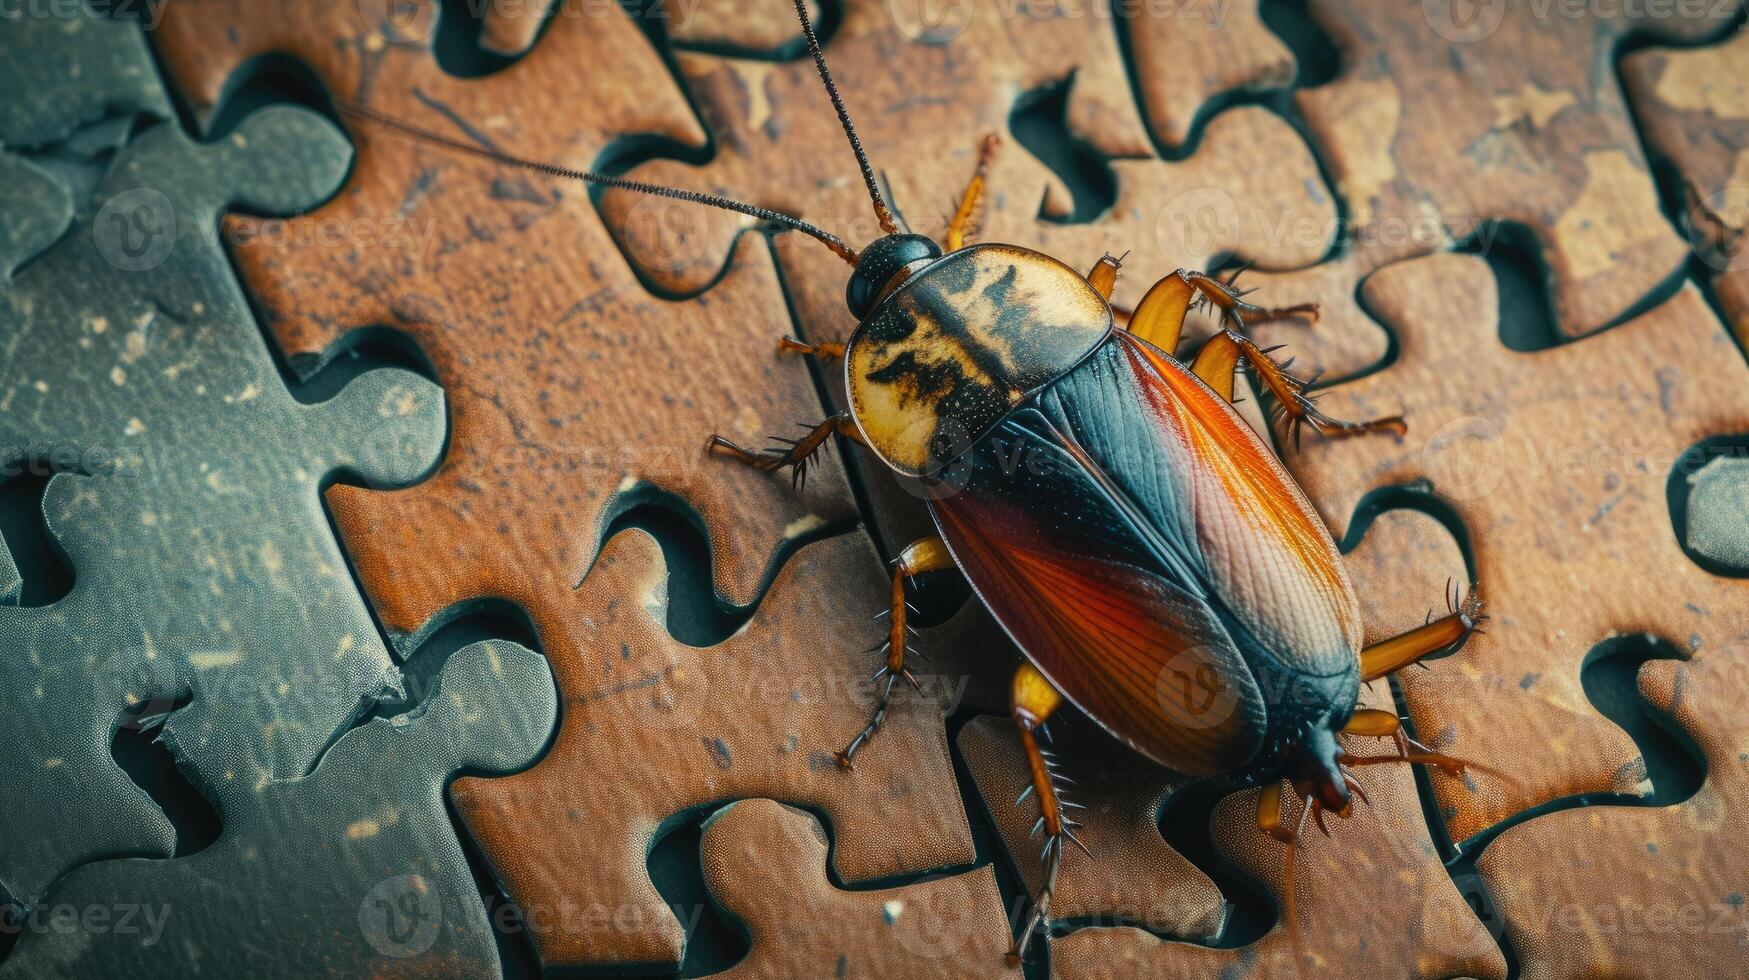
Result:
{"points": [[1143, 546]]}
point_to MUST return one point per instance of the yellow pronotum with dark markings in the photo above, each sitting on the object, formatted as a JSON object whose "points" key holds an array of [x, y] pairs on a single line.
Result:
{"points": [[959, 344]]}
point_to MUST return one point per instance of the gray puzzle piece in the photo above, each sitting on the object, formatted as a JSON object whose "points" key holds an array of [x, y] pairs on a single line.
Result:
{"points": [[1718, 512], [353, 871], [36, 209], [11, 582], [65, 68], [204, 563]]}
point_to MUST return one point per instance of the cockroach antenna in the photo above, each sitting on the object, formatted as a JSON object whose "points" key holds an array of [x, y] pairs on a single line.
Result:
{"points": [[374, 117], [884, 216]]}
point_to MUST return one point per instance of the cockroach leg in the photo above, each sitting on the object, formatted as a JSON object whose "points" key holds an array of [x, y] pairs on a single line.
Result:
{"points": [[1373, 723], [1445, 633], [796, 453], [1034, 700], [963, 225], [1159, 317], [1103, 276], [923, 555], [1216, 362], [828, 351], [1293, 404], [1224, 297], [1269, 813]]}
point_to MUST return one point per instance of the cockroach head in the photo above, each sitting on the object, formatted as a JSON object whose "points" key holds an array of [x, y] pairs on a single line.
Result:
{"points": [[882, 265], [1314, 771]]}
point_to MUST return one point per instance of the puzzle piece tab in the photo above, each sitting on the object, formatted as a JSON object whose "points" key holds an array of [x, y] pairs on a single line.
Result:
{"points": [[187, 501], [1511, 120], [68, 68], [764, 863], [1190, 54], [1557, 462], [1643, 892], [37, 208], [508, 282], [1693, 104], [653, 728], [352, 871]]}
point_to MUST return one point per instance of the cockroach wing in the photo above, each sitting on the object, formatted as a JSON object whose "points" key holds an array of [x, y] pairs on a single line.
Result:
{"points": [[1199, 474], [1098, 599]]}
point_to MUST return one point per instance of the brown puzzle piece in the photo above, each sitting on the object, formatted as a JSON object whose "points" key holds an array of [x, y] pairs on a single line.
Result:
{"points": [[1693, 105], [510, 284], [921, 111], [1372, 900], [765, 865], [1375, 899], [1643, 892], [1450, 113], [1135, 874], [651, 728], [510, 28], [1189, 53], [1557, 462]]}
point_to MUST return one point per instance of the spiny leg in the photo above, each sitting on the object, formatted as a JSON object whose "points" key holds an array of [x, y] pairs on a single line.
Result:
{"points": [[1159, 317], [1389, 656], [1034, 700], [1289, 391], [961, 228], [923, 555], [827, 351], [797, 453], [1375, 723], [1294, 404], [1269, 820]]}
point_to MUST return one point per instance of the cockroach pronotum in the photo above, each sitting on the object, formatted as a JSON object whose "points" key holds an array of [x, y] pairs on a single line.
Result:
{"points": [[1151, 557]]}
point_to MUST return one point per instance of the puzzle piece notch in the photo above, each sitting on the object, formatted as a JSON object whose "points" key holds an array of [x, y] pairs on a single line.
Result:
{"points": [[203, 472], [352, 870], [66, 69], [765, 863], [654, 728], [506, 281], [1515, 123], [1547, 459], [1647, 891], [1379, 880]]}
